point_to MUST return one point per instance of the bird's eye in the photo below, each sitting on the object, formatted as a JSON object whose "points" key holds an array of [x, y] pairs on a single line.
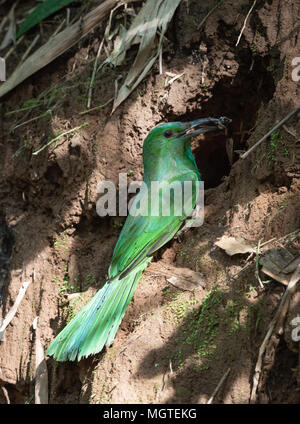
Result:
{"points": [[168, 133]]}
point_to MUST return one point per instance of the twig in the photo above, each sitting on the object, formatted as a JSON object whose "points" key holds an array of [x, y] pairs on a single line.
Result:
{"points": [[23, 109], [170, 74], [94, 74], [35, 40], [58, 28], [58, 137], [112, 389], [41, 372], [108, 27], [116, 88], [97, 107], [292, 133], [170, 366], [175, 78], [209, 13], [13, 310], [267, 242], [31, 120], [233, 277], [160, 61], [294, 233], [221, 382], [6, 56], [245, 23], [243, 156], [257, 265], [10, 35], [5, 392], [3, 22], [278, 318], [68, 16]]}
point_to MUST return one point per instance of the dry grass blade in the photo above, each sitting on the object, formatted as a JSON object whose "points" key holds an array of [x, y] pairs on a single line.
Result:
{"points": [[276, 321], [270, 132], [152, 18], [209, 13], [245, 23], [12, 49], [59, 44], [10, 36], [97, 107], [176, 77], [35, 40], [42, 115], [3, 22], [41, 372], [58, 137], [94, 74], [221, 382], [13, 310], [257, 265], [160, 62], [5, 392]]}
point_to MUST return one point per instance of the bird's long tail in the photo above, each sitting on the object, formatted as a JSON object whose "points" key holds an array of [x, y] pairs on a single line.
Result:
{"points": [[97, 323]]}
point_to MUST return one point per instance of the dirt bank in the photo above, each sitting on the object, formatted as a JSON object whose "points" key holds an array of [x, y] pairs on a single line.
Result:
{"points": [[173, 345]]}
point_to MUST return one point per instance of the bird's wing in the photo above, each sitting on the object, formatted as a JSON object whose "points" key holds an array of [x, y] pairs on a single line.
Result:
{"points": [[141, 236]]}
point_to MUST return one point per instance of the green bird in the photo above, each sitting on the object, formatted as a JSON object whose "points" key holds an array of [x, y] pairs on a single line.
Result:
{"points": [[167, 158]]}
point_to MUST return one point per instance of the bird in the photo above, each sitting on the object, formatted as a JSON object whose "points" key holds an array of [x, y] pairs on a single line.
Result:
{"points": [[167, 158]]}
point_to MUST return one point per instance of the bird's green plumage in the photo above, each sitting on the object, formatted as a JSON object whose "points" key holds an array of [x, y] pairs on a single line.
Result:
{"points": [[166, 159]]}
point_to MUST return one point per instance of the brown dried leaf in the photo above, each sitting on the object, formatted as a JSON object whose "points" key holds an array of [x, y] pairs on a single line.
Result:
{"points": [[154, 16], [234, 245], [10, 36]]}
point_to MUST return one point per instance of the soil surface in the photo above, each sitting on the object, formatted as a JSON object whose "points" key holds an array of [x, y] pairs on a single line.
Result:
{"points": [[173, 345]]}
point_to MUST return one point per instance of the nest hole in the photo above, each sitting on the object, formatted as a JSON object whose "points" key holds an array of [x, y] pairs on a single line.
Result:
{"points": [[238, 98]]}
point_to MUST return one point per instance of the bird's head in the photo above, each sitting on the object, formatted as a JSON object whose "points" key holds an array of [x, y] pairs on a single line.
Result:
{"points": [[165, 134]]}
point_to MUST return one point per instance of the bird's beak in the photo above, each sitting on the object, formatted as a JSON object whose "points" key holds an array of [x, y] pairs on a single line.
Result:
{"points": [[201, 126]]}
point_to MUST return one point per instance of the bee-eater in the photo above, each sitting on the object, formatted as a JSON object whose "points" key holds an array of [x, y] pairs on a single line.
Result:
{"points": [[167, 158]]}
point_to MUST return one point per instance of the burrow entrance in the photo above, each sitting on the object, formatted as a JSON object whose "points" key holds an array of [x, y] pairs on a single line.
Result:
{"points": [[237, 98]]}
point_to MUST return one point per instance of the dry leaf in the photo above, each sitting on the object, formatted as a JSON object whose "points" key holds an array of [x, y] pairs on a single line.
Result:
{"points": [[276, 263], [291, 266], [10, 36], [234, 245], [58, 44], [153, 17]]}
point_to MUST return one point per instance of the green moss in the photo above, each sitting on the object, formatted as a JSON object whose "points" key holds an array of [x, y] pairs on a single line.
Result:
{"points": [[203, 325], [276, 147], [61, 243]]}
